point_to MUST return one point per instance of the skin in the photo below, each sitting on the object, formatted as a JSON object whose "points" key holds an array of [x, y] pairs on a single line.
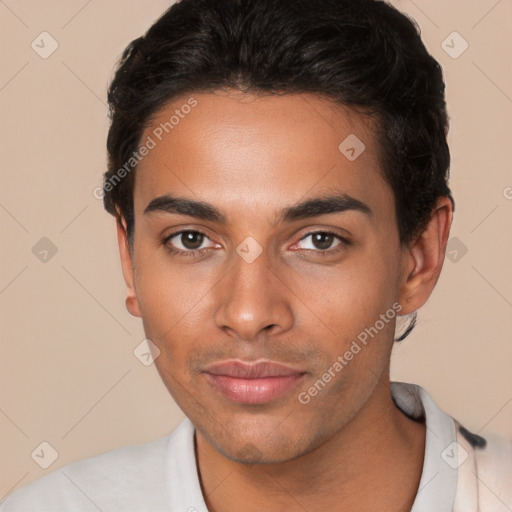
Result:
{"points": [[350, 448]]}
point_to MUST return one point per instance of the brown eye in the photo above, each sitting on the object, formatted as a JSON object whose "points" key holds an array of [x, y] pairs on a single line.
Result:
{"points": [[321, 241], [187, 242], [192, 239]]}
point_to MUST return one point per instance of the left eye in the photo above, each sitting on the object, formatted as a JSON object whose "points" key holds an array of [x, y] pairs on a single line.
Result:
{"points": [[321, 241]]}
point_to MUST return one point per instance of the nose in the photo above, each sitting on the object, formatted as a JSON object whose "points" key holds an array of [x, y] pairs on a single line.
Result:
{"points": [[253, 298]]}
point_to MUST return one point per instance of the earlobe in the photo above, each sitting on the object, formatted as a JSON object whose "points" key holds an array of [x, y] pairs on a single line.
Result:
{"points": [[423, 259], [132, 303]]}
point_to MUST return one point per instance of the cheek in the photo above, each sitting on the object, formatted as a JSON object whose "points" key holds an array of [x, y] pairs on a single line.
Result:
{"points": [[351, 296], [167, 292]]}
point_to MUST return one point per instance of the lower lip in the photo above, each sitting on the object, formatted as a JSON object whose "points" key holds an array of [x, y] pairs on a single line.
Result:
{"points": [[253, 391]]}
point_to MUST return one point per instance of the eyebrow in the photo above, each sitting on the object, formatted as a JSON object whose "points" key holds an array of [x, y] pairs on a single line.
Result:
{"points": [[314, 207]]}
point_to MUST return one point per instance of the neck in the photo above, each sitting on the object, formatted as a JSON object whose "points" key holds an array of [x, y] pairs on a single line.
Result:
{"points": [[373, 463]]}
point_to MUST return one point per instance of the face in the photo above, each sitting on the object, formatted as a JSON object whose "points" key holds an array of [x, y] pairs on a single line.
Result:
{"points": [[261, 255]]}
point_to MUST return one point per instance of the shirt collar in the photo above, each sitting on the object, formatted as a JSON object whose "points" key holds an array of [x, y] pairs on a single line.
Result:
{"points": [[438, 482]]}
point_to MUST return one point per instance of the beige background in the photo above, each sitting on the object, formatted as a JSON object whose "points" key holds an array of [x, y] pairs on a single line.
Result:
{"points": [[68, 373]]}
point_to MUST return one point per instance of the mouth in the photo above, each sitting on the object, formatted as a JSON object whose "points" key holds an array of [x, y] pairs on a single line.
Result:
{"points": [[252, 382]]}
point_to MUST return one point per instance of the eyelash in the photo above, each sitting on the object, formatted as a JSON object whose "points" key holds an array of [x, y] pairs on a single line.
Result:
{"points": [[195, 253]]}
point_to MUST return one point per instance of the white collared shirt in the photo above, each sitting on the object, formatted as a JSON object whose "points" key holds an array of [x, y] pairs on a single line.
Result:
{"points": [[457, 476]]}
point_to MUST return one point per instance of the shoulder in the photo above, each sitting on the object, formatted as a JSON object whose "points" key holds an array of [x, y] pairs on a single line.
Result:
{"points": [[494, 472], [131, 476], [487, 474]]}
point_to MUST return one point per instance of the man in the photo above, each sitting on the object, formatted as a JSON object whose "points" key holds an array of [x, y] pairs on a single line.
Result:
{"points": [[278, 172]]}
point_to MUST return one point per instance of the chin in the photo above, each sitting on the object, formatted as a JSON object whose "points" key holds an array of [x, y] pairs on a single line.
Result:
{"points": [[265, 446]]}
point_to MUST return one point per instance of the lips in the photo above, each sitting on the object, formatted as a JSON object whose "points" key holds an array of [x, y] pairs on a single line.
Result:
{"points": [[252, 382]]}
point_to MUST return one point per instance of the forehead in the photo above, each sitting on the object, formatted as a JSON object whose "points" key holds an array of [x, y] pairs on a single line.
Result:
{"points": [[259, 151]]}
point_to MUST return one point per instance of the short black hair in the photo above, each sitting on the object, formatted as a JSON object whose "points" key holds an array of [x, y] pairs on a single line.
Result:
{"points": [[363, 54]]}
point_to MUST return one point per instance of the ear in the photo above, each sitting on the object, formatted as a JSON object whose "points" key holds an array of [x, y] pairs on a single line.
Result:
{"points": [[424, 258], [132, 304]]}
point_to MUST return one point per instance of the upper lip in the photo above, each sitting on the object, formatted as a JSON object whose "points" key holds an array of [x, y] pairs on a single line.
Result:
{"points": [[251, 370]]}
